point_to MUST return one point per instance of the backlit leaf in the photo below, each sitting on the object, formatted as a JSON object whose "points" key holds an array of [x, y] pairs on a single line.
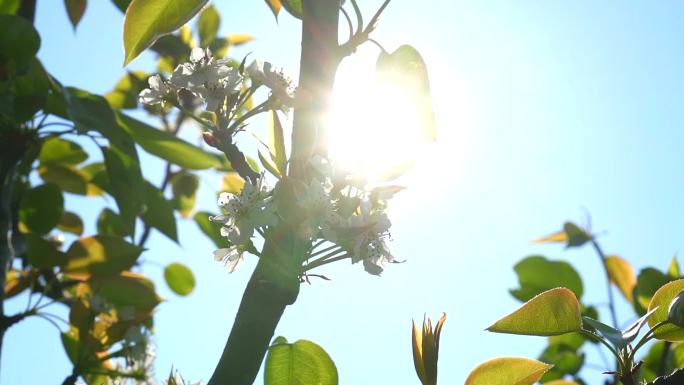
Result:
{"points": [[534, 278], [17, 281], [662, 299], [232, 183], [299, 363], [239, 38], [126, 289], [159, 212], [179, 278], [276, 143], [673, 270], [208, 25], [62, 151], [41, 208], [68, 178], [552, 312], [101, 254], [275, 6], [621, 275], [572, 235], [648, 282], [507, 371], [110, 223], [293, 7], [167, 146], [405, 68], [126, 91], [147, 20], [210, 229], [184, 186], [561, 382], [269, 165]]}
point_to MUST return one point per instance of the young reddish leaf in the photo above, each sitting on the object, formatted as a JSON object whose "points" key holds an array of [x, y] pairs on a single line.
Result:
{"points": [[662, 299], [75, 10], [552, 312], [275, 6], [621, 275], [507, 371]]}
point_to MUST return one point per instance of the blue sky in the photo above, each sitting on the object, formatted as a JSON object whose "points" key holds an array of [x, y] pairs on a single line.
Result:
{"points": [[546, 110]]}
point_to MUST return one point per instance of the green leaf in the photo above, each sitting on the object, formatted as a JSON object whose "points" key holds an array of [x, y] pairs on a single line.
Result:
{"points": [[208, 25], [648, 282], [127, 289], [42, 253], [19, 43], [293, 7], [68, 178], [127, 89], [72, 345], [661, 301], [70, 223], [405, 68], [159, 212], [101, 254], [121, 4], [507, 371], [125, 184], [26, 93], [110, 223], [232, 182], [184, 186], [211, 229], [167, 146], [75, 10], [9, 7], [299, 363], [41, 208], [276, 143], [61, 151], [552, 312], [269, 166], [565, 360], [673, 270], [179, 278], [572, 235], [92, 112], [147, 20], [621, 275], [534, 278]]}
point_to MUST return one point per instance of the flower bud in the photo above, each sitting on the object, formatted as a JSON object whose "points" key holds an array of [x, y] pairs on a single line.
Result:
{"points": [[210, 139], [675, 313]]}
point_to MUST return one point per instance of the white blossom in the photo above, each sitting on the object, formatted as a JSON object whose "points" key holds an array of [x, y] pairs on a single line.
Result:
{"points": [[230, 257], [159, 90], [275, 78]]}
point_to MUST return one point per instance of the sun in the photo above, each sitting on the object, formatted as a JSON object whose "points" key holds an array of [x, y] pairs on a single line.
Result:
{"points": [[374, 127]]}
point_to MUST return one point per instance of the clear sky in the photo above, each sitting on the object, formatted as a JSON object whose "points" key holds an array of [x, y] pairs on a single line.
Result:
{"points": [[546, 110]]}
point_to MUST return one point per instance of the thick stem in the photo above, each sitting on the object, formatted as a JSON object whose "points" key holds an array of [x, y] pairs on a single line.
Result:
{"points": [[273, 285], [275, 281], [319, 61]]}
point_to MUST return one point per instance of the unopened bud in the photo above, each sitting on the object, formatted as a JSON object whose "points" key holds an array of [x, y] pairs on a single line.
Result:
{"points": [[210, 139], [675, 313]]}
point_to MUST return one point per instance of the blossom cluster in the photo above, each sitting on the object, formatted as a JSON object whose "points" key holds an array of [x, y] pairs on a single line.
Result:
{"points": [[336, 211], [212, 81]]}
